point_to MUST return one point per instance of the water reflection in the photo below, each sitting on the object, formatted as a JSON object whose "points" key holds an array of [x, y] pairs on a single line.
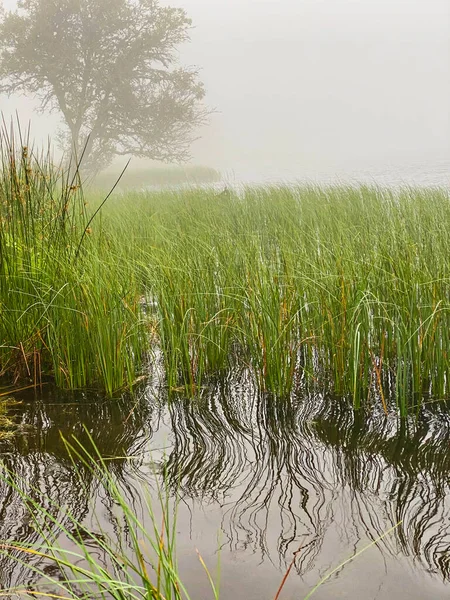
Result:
{"points": [[303, 466], [404, 466], [46, 474], [281, 472], [251, 453]]}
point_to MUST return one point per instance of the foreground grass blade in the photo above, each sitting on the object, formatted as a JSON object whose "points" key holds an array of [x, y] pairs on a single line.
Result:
{"points": [[333, 571]]}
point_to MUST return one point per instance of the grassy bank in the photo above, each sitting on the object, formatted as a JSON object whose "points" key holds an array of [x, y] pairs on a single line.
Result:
{"points": [[299, 285], [139, 178]]}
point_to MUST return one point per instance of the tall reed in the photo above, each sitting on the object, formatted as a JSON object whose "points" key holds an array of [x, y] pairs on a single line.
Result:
{"points": [[67, 312], [348, 286]]}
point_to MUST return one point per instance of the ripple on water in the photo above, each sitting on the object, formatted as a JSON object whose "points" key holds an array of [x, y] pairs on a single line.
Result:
{"points": [[258, 477]]}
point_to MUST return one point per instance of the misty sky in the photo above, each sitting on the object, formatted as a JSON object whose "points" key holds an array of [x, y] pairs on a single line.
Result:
{"points": [[310, 85]]}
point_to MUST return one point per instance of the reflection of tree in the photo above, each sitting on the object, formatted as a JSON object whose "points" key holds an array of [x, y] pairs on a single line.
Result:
{"points": [[44, 472], [303, 466]]}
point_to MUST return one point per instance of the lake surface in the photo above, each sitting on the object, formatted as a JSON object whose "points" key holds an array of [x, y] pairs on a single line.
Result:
{"points": [[257, 478], [434, 173]]}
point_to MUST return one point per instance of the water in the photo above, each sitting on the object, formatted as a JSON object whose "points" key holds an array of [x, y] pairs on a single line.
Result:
{"points": [[431, 173], [258, 478], [434, 173]]}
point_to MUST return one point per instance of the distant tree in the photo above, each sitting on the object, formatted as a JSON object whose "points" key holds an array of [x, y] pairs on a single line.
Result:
{"points": [[111, 68]]}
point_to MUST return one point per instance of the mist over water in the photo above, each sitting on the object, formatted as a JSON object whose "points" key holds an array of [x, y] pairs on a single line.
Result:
{"points": [[322, 91]]}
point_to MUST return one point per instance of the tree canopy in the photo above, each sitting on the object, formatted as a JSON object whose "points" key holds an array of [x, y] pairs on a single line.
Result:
{"points": [[111, 68]]}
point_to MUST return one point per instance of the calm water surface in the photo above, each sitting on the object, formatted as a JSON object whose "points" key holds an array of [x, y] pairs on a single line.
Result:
{"points": [[258, 477], [432, 173], [428, 173]]}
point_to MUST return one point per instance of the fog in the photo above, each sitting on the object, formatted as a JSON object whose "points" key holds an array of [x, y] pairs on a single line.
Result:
{"points": [[316, 89]]}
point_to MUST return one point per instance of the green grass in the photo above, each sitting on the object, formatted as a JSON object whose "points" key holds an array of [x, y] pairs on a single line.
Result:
{"points": [[343, 287], [133, 561], [138, 178], [68, 309]]}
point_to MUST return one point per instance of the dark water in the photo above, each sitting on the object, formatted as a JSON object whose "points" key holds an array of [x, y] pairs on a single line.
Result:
{"points": [[258, 477]]}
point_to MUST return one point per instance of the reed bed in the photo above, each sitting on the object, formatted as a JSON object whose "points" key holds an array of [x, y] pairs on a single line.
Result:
{"points": [[346, 287], [343, 286], [68, 310]]}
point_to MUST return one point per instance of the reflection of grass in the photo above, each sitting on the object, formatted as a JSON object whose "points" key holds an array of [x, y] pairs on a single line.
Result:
{"points": [[157, 176], [6, 424], [139, 563]]}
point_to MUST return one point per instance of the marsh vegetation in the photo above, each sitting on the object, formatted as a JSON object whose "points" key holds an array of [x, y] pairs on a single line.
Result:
{"points": [[273, 334], [210, 388], [345, 287], [153, 177]]}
